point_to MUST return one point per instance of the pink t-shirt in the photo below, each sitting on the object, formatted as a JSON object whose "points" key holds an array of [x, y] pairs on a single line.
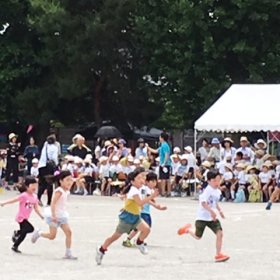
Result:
{"points": [[26, 204]]}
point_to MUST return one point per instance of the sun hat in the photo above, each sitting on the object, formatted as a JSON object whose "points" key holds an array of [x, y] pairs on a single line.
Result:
{"points": [[215, 141], [184, 157], [12, 135], [250, 167], [76, 137], [107, 143], [115, 158], [206, 164], [260, 141], [188, 149], [244, 139], [103, 158], [35, 160], [77, 160], [122, 141], [176, 150], [157, 159], [136, 161], [130, 158], [69, 158], [240, 165], [87, 160], [228, 139]]}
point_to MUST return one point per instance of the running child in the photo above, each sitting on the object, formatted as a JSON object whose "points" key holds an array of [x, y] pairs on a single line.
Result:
{"points": [[27, 202], [130, 218], [206, 215], [146, 190], [56, 215]]}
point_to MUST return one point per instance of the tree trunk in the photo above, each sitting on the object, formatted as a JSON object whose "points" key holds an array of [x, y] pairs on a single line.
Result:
{"points": [[97, 94]]}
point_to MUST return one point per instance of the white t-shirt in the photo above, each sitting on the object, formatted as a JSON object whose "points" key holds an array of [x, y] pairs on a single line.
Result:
{"points": [[174, 167], [241, 177], [264, 177], [132, 192], [211, 196], [191, 160], [115, 168], [34, 171], [104, 170], [228, 176]]}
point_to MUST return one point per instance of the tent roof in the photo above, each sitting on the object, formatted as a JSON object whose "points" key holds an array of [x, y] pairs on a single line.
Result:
{"points": [[244, 108]]}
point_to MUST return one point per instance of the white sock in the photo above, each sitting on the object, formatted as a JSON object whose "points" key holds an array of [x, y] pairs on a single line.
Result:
{"points": [[68, 251], [232, 194]]}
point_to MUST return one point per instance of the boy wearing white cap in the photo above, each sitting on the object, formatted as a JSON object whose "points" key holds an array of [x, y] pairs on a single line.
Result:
{"points": [[34, 171]]}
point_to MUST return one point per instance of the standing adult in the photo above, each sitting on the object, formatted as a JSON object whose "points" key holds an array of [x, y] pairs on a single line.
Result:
{"points": [[204, 150], [47, 166], [248, 154], [165, 163], [215, 151], [12, 159], [30, 152]]}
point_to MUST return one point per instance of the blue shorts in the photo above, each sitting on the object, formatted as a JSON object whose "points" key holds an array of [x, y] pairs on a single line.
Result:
{"points": [[60, 222], [147, 218]]}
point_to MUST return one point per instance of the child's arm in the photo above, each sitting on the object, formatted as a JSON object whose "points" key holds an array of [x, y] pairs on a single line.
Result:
{"points": [[38, 212], [142, 202], [220, 211], [55, 198], [157, 206], [10, 201], [208, 208]]}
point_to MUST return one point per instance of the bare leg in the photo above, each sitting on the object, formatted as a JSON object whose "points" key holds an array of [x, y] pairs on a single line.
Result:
{"points": [[111, 239], [144, 230], [51, 235], [68, 234], [219, 242]]}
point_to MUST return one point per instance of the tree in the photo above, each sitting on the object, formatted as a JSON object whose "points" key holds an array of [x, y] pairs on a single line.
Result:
{"points": [[195, 49]]}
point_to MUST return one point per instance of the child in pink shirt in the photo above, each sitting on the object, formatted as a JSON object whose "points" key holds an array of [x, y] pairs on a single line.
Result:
{"points": [[27, 202]]}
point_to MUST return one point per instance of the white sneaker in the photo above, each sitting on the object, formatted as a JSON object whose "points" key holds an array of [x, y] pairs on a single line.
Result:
{"points": [[35, 236], [69, 257], [99, 256], [77, 191], [143, 248], [85, 192]]}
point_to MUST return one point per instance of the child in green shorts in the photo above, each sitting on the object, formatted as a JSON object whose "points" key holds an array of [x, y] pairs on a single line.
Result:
{"points": [[206, 215], [130, 218]]}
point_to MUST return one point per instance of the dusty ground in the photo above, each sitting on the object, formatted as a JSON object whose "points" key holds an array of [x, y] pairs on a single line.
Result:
{"points": [[251, 239]]}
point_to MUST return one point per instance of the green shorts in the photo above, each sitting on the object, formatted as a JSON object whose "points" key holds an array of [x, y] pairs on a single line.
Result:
{"points": [[200, 226], [124, 227]]}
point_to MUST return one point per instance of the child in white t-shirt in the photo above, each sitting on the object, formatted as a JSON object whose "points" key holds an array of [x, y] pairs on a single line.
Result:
{"points": [[34, 171], [207, 214]]}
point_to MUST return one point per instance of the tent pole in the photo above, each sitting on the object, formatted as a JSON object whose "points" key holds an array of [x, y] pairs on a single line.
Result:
{"points": [[195, 147], [267, 140]]}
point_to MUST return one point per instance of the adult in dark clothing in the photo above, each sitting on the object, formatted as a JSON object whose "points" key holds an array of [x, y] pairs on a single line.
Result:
{"points": [[78, 148], [30, 152], [12, 159]]}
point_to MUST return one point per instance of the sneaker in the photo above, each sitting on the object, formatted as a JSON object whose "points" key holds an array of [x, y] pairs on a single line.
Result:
{"points": [[35, 236], [184, 229], [16, 250], [15, 236], [142, 248], [69, 257], [85, 193], [99, 256], [127, 243], [268, 206], [221, 258]]}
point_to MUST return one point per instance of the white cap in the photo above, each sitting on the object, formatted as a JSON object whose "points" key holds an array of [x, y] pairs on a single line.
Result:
{"points": [[157, 159], [69, 158], [188, 149], [103, 158], [35, 160], [76, 137], [136, 161], [115, 158], [87, 160], [77, 160], [184, 157], [130, 159], [176, 150]]}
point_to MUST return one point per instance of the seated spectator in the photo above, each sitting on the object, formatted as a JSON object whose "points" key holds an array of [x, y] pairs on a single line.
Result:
{"points": [[104, 171], [78, 148], [254, 188], [201, 174], [260, 145], [265, 181], [240, 182], [259, 161], [190, 157], [123, 151], [177, 151], [227, 181]]}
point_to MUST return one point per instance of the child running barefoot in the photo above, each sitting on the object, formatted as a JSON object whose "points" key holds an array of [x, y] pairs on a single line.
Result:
{"points": [[206, 216], [130, 218], [146, 191], [58, 217], [27, 202]]}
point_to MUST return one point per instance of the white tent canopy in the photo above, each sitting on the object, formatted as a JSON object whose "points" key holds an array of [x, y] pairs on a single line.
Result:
{"points": [[244, 108]]}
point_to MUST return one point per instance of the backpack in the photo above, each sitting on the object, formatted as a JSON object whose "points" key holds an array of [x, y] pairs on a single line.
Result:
{"points": [[240, 196], [255, 196]]}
